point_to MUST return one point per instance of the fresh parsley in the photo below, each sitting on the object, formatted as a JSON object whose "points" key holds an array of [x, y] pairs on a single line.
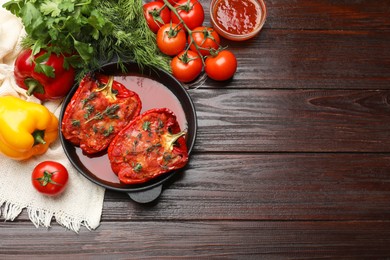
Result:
{"points": [[87, 32]]}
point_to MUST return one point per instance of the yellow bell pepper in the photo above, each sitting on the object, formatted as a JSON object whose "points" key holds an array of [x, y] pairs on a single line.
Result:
{"points": [[26, 128]]}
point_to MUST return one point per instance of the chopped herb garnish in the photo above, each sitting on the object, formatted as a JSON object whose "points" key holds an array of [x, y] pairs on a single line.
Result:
{"points": [[160, 127], [109, 131], [75, 122], [160, 124], [167, 157], [135, 145], [146, 126], [152, 147], [90, 109], [113, 116], [137, 167], [109, 111], [89, 98]]}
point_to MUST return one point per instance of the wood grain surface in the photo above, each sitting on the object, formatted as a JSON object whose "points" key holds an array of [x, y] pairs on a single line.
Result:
{"points": [[291, 161]]}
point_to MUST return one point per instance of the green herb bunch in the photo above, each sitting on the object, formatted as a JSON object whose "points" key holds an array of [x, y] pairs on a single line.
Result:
{"points": [[90, 32]]}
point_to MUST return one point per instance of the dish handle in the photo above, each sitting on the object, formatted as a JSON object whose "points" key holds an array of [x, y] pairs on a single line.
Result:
{"points": [[147, 195]]}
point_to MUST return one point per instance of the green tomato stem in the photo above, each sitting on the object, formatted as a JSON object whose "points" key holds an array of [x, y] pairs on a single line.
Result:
{"points": [[47, 178], [173, 9]]}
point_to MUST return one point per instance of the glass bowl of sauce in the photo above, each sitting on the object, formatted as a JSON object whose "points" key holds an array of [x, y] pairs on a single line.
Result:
{"points": [[238, 20]]}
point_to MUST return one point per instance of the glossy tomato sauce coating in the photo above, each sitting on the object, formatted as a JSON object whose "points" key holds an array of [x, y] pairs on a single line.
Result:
{"points": [[238, 16], [96, 113], [151, 145]]}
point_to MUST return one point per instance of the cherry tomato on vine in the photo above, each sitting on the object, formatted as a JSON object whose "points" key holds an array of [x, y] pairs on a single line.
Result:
{"points": [[171, 40], [156, 15], [206, 38], [190, 11], [186, 66], [49, 178], [222, 66]]}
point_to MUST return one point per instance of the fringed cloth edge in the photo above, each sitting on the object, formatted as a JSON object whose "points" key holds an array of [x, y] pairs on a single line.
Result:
{"points": [[41, 218]]}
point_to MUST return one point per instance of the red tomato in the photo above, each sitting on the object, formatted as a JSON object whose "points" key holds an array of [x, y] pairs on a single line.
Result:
{"points": [[186, 66], [206, 38], [190, 11], [222, 66], [155, 15], [50, 178], [171, 40], [172, 2]]}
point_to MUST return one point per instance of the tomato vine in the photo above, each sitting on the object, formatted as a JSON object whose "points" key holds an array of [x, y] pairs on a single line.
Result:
{"points": [[188, 15]]}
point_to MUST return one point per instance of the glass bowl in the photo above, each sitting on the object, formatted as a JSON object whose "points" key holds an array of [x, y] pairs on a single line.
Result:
{"points": [[237, 20]]}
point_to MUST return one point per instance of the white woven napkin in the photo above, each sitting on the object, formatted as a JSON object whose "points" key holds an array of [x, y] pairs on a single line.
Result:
{"points": [[82, 202]]}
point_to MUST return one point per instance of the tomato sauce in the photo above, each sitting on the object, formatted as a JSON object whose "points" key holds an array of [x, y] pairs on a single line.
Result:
{"points": [[153, 95], [238, 16]]}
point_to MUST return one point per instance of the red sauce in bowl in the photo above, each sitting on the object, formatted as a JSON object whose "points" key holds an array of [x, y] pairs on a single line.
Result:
{"points": [[243, 18]]}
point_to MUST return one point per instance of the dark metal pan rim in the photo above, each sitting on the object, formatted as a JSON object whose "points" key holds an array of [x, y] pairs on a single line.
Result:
{"points": [[150, 190]]}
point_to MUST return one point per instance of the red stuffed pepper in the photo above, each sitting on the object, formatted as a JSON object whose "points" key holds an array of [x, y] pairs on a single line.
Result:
{"points": [[151, 145], [98, 110], [43, 75]]}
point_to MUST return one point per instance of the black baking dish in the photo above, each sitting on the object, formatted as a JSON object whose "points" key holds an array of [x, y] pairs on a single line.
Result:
{"points": [[151, 190]]}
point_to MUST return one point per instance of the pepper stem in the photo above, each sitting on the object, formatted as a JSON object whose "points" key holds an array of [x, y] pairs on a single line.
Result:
{"points": [[108, 88], [38, 137], [170, 139], [33, 86]]}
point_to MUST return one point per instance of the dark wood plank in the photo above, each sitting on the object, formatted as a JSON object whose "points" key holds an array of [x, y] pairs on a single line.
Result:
{"points": [[329, 14], [207, 240], [292, 120], [332, 59], [267, 187]]}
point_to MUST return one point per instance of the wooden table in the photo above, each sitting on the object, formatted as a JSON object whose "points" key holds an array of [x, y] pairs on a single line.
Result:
{"points": [[292, 158]]}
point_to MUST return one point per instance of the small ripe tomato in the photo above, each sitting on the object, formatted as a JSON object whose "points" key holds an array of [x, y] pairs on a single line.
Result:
{"points": [[222, 66], [172, 2], [186, 66], [171, 40], [156, 15], [190, 11], [206, 38], [49, 178]]}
